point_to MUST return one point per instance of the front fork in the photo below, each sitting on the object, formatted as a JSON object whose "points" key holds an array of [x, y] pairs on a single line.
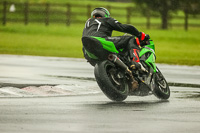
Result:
{"points": [[149, 79]]}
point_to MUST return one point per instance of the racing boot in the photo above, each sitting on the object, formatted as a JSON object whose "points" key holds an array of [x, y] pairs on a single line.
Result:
{"points": [[135, 61]]}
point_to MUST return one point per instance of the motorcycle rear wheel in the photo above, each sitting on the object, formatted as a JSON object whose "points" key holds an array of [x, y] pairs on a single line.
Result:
{"points": [[110, 82]]}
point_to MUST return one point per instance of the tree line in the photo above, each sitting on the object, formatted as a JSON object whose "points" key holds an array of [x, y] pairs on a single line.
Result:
{"points": [[164, 7], [73, 13]]}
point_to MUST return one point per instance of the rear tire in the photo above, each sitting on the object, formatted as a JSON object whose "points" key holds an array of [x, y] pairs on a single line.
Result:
{"points": [[115, 88], [161, 90]]}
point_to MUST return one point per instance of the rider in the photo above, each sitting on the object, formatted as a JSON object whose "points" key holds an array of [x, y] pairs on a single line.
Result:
{"points": [[98, 43]]}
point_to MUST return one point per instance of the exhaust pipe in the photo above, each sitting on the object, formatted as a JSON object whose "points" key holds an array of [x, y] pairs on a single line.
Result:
{"points": [[121, 64], [116, 60]]}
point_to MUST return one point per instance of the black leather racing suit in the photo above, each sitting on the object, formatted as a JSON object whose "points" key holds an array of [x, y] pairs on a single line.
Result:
{"points": [[103, 27]]}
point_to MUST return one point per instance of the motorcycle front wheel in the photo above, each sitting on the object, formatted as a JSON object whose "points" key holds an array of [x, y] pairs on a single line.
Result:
{"points": [[161, 89], [111, 80]]}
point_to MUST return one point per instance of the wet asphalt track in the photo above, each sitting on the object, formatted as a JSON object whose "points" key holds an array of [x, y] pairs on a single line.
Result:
{"points": [[55, 95]]}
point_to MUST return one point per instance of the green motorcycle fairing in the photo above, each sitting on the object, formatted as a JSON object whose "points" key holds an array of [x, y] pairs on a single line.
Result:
{"points": [[108, 45], [150, 61]]}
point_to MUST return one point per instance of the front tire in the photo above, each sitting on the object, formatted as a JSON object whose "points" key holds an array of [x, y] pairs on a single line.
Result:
{"points": [[109, 80], [161, 90]]}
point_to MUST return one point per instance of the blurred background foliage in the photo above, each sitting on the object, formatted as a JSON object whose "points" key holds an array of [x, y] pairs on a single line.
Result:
{"points": [[54, 27], [155, 13]]}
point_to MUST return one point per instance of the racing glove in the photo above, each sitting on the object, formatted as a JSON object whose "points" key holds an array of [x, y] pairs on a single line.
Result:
{"points": [[143, 36], [143, 39]]}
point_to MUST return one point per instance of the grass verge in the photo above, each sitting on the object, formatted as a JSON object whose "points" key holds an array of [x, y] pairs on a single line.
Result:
{"points": [[174, 46]]}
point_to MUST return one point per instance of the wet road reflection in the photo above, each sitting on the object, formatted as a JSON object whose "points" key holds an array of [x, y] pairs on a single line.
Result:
{"points": [[96, 113]]}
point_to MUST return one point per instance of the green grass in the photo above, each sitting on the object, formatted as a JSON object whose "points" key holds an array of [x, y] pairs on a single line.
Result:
{"points": [[174, 46], [40, 40], [177, 46]]}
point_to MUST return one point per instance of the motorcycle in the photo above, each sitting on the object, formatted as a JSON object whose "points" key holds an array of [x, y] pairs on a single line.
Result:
{"points": [[117, 81]]}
